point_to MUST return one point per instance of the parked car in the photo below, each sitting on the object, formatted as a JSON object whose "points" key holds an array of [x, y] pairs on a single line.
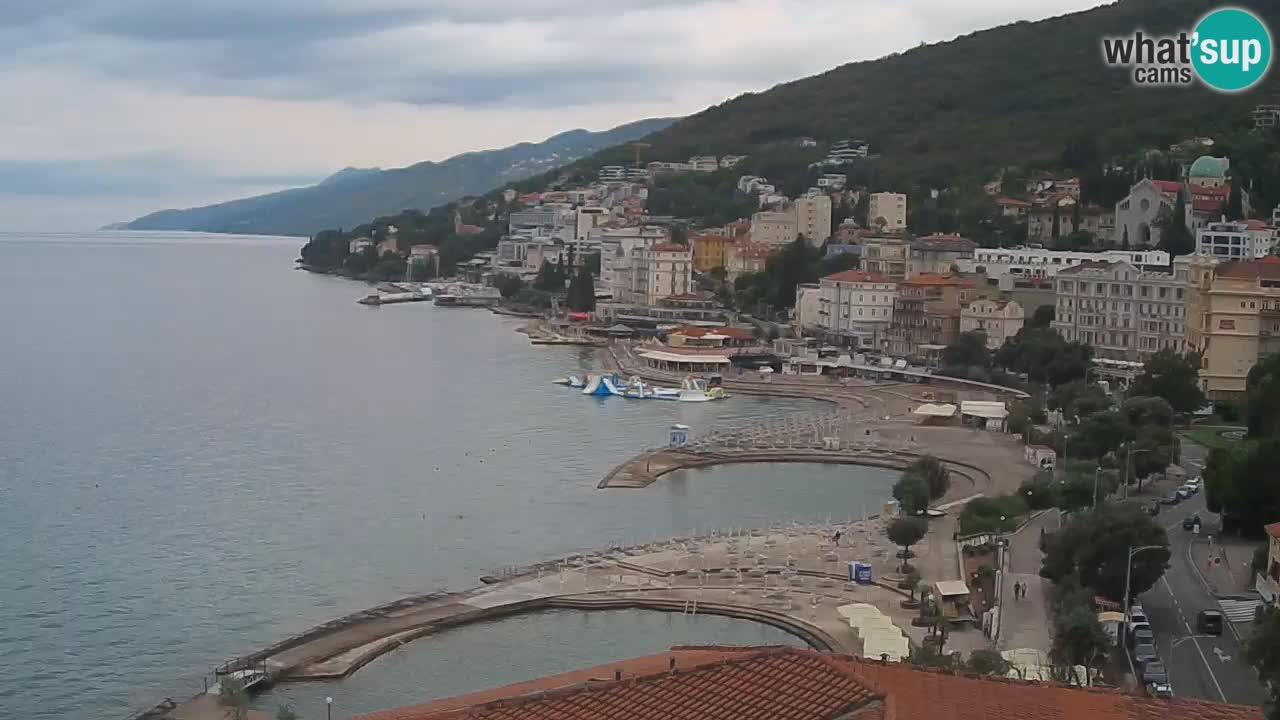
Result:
{"points": [[1196, 482], [1183, 493], [1190, 522], [1172, 498], [1142, 635], [1154, 673], [1137, 617], [1154, 508], [1209, 622], [1142, 652], [1160, 690]]}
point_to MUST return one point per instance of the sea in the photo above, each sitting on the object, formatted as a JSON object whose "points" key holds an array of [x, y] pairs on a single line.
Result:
{"points": [[204, 450]]}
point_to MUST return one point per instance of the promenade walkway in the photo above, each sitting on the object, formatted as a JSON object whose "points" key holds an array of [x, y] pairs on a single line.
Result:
{"points": [[1027, 622]]}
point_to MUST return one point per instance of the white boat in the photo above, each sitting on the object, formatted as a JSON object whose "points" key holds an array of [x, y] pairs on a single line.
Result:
{"points": [[695, 390], [572, 381]]}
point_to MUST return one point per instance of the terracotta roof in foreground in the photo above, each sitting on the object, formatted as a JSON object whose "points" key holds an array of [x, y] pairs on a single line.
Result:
{"points": [[1267, 268], [1273, 529], [751, 684], [780, 683], [857, 276]]}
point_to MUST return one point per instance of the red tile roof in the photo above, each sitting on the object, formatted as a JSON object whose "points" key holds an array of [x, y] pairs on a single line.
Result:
{"points": [[1086, 265], [697, 332], [857, 276], [718, 683], [670, 247], [1267, 268], [1273, 529], [1011, 202], [1168, 186]]}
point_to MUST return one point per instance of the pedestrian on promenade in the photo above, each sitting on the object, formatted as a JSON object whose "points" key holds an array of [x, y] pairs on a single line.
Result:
{"points": [[1017, 590], [836, 538]]}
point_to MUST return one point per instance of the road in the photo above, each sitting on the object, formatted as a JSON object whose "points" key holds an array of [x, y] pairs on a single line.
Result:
{"points": [[1200, 666]]}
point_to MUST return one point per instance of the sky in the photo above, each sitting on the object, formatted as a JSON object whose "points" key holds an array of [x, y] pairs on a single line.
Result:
{"points": [[116, 108]]}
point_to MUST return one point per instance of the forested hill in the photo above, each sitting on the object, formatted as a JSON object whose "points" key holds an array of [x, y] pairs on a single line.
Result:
{"points": [[354, 196], [955, 110]]}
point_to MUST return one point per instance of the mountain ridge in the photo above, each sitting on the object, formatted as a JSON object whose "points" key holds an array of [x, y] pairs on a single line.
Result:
{"points": [[352, 195]]}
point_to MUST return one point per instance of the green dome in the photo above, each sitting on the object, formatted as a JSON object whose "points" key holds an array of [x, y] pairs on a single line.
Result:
{"points": [[1209, 167]]}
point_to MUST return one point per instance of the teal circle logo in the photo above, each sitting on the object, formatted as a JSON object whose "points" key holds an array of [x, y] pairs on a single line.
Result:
{"points": [[1231, 49]]}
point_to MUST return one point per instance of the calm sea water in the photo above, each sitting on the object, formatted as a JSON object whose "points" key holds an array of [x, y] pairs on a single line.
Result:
{"points": [[203, 451]]}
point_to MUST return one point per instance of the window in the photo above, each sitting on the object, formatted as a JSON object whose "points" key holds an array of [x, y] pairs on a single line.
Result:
{"points": [[1226, 324]]}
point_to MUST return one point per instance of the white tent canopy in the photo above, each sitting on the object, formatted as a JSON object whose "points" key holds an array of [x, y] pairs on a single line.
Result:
{"points": [[984, 409], [943, 410]]}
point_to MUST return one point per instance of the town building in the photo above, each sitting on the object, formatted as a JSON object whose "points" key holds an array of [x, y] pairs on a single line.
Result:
{"points": [[709, 251], [619, 250], [1125, 313], [728, 161], [588, 218], [1024, 264], [813, 218], [887, 212], [697, 336], [613, 173], [806, 318], [704, 163], [833, 182], [1233, 312], [855, 308], [742, 258], [1208, 205], [938, 253], [847, 151], [1087, 218], [663, 270], [926, 314], [1266, 116], [1240, 240], [359, 245], [777, 683], [886, 255], [1267, 582], [1013, 207], [774, 227], [999, 319], [1137, 213], [1209, 172]]}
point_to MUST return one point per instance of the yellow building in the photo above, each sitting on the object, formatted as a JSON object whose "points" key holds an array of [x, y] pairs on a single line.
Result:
{"points": [[1233, 318], [709, 251]]}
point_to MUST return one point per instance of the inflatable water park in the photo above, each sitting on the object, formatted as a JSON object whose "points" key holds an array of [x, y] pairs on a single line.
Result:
{"points": [[692, 389]]}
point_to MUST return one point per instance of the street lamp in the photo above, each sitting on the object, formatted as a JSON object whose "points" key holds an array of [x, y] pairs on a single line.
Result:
{"points": [[1128, 467], [328, 707], [1095, 484], [1128, 573]]}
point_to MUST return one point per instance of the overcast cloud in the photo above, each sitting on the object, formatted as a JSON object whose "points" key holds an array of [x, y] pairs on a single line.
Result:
{"points": [[115, 108]]}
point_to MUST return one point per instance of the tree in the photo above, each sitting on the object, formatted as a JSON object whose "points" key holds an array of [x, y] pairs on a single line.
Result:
{"points": [[1079, 399], [1243, 481], [988, 662], [1143, 411], [1174, 377], [1043, 316], [1263, 653], [233, 697], [1175, 237], [508, 285], [582, 293], [1044, 356], [1078, 638], [1235, 203], [592, 263], [912, 494], [1263, 387], [1099, 434], [285, 712], [1094, 547], [935, 475], [968, 350], [907, 531]]}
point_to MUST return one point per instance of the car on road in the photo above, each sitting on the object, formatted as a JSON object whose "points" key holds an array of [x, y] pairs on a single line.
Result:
{"points": [[1172, 498], [1191, 521], [1183, 492], [1137, 617], [1143, 652], [1154, 508], [1209, 622], [1196, 482], [1160, 690]]}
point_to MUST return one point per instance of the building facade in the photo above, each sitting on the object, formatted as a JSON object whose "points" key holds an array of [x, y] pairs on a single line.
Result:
{"points": [[1137, 213], [885, 255], [938, 253], [664, 270], [1242, 240], [813, 218], [745, 257], [999, 319], [1023, 263], [709, 251], [1233, 312], [773, 227], [855, 308], [926, 314], [1125, 313], [887, 212]]}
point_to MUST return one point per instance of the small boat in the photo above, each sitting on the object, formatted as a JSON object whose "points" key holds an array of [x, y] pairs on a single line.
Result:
{"points": [[603, 385], [695, 390], [572, 381]]}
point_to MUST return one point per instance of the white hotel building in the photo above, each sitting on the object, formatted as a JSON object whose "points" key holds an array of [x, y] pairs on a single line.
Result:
{"points": [[856, 307], [1237, 240], [1022, 263], [1126, 314]]}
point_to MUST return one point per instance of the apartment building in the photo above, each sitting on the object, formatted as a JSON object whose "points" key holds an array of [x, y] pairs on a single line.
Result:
{"points": [[1239, 240], [926, 314], [619, 249], [887, 212], [938, 253], [745, 257], [1125, 313], [1024, 263], [661, 271], [704, 163], [999, 319], [709, 251], [886, 255], [855, 308], [775, 227], [1233, 319], [813, 218]]}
